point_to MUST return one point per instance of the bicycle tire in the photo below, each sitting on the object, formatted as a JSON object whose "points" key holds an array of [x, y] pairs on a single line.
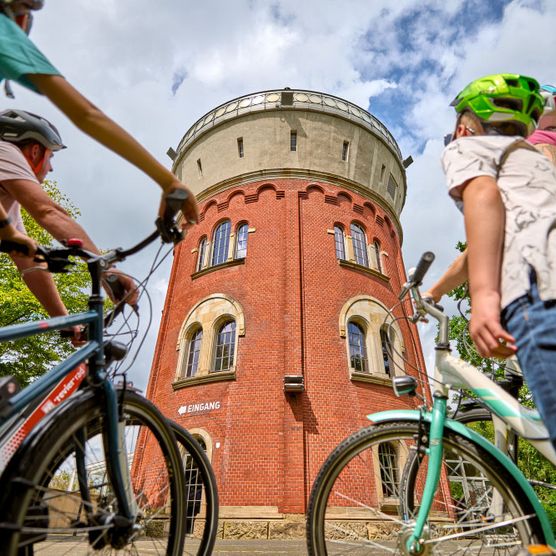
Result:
{"points": [[347, 515], [202, 495], [44, 510]]}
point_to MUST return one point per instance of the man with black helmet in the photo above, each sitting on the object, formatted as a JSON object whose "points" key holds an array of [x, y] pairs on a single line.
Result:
{"points": [[27, 144], [22, 62]]}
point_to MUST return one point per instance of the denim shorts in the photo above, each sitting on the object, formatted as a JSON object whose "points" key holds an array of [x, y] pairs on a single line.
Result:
{"points": [[532, 322]]}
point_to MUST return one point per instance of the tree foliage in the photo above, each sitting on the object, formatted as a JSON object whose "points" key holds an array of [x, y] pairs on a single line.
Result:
{"points": [[531, 462], [29, 358]]}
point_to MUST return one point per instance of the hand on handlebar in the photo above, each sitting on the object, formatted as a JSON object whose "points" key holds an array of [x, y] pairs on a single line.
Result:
{"points": [[126, 289], [188, 207], [10, 233]]}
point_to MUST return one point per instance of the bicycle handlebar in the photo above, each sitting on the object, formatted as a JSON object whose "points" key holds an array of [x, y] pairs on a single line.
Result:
{"points": [[423, 266]]}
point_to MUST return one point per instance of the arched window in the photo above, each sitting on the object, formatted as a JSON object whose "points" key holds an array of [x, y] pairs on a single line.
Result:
{"points": [[221, 243], [387, 353], [241, 241], [201, 253], [225, 346], [357, 351], [193, 351], [359, 245], [388, 461], [376, 246], [339, 242], [194, 487]]}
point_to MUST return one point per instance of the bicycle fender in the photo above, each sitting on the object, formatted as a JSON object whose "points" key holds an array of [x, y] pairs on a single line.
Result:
{"points": [[459, 428]]}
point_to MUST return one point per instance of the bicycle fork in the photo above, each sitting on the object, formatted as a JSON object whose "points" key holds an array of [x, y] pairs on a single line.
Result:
{"points": [[434, 451]]}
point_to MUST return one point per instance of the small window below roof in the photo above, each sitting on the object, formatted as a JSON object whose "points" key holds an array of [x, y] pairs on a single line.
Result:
{"points": [[199, 167], [240, 147], [293, 140], [345, 150]]}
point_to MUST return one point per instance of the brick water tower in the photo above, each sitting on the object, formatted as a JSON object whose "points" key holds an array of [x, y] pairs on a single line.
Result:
{"points": [[272, 346]]}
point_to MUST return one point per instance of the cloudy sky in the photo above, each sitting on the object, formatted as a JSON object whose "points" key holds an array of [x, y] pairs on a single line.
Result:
{"points": [[155, 67]]}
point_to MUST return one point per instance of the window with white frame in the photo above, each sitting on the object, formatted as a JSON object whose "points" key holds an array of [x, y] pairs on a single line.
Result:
{"points": [[359, 245], [193, 351], [201, 253], [224, 347], [387, 354], [221, 243], [241, 241], [376, 249], [388, 461], [339, 241], [357, 348]]}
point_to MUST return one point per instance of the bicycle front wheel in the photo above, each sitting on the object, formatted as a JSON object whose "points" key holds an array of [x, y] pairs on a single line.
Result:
{"points": [[354, 507], [201, 520], [61, 500]]}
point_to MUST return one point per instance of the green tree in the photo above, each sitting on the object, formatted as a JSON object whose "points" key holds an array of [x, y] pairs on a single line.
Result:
{"points": [[29, 358], [531, 462]]}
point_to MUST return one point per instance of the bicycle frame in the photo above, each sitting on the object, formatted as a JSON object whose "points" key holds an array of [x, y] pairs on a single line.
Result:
{"points": [[451, 372], [96, 375]]}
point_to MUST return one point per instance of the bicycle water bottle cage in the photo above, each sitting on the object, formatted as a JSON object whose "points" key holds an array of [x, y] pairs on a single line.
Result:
{"points": [[9, 387]]}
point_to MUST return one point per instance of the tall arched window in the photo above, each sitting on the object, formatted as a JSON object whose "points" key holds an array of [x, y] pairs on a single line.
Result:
{"points": [[388, 461], [387, 353], [339, 242], [221, 243], [359, 245], [357, 351], [376, 245], [193, 351], [194, 487], [201, 253], [225, 346], [241, 241]]}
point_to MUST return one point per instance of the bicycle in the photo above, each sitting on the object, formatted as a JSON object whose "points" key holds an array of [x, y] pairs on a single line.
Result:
{"points": [[466, 496], [67, 476]]}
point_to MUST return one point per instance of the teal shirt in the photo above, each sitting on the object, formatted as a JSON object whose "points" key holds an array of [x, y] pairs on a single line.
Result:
{"points": [[19, 57]]}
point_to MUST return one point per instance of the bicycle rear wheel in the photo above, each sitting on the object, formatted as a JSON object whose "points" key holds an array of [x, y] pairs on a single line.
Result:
{"points": [[201, 521], [354, 507], [59, 496]]}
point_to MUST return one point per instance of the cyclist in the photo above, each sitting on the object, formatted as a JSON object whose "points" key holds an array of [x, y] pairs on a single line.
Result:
{"points": [[509, 209], [544, 137], [27, 144], [22, 62]]}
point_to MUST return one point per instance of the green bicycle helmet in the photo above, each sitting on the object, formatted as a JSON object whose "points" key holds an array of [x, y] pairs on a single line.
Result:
{"points": [[505, 97]]}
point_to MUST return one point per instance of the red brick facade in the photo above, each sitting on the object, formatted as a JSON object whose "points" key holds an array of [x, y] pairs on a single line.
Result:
{"points": [[267, 445]]}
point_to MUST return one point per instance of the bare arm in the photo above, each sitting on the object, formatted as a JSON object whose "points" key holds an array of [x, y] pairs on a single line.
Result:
{"points": [[87, 117], [55, 220], [42, 286], [484, 224], [455, 276], [51, 216]]}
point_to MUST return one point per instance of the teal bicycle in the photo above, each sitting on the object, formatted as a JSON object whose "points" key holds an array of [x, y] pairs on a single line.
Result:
{"points": [[419, 483]]}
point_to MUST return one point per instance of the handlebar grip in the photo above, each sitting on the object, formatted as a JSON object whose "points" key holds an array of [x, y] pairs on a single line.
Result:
{"points": [[174, 202], [116, 286], [7, 246], [422, 267]]}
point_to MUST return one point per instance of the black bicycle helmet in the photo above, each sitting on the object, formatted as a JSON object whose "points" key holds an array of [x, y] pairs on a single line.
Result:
{"points": [[17, 126]]}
